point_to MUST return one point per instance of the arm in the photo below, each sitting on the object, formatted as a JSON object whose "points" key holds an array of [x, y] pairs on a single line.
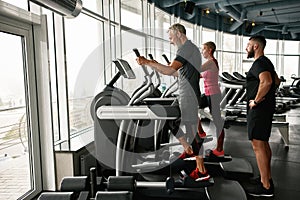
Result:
{"points": [[277, 80], [170, 69], [265, 83]]}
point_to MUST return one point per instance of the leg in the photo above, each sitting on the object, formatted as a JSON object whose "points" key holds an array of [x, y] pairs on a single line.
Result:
{"points": [[261, 150], [259, 130], [220, 142], [175, 129], [200, 173], [200, 164], [217, 119], [269, 154], [201, 131], [186, 146]]}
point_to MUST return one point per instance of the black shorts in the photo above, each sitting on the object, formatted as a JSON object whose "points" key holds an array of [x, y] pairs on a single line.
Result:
{"points": [[259, 124]]}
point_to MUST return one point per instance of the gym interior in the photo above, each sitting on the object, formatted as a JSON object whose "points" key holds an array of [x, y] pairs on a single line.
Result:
{"points": [[72, 91]]}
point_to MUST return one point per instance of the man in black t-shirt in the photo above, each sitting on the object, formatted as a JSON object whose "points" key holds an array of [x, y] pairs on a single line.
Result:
{"points": [[186, 66], [260, 91]]}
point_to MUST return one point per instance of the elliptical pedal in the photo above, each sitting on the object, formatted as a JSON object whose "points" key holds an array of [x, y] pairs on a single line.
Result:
{"points": [[213, 160], [217, 160], [186, 182]]}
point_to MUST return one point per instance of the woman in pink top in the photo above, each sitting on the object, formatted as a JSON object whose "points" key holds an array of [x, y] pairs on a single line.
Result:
{"points": [[210, 75]]}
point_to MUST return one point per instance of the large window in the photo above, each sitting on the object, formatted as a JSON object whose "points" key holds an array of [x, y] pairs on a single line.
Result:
{"points": [[19, 135], [87, 63], [13, 116]]}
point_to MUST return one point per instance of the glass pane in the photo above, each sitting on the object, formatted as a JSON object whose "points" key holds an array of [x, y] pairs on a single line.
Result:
{"points": [[291, 64], [291, 47], [228, 62], [14, 155], [131, 9], [112, 10], [271, 47], [19, 3], [163, 47], [273, 60], [246, 62], [128, 55], [228, 42], [189, 30], [208, 35], [162, 24], [95, 6], [85, 66], [245, 42]]}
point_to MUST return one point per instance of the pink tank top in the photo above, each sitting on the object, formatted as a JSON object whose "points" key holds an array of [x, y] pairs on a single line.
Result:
{"points": [[211, 81]]}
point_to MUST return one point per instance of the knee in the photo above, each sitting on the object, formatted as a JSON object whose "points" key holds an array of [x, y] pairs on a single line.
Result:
{"points": [[256, 145]]}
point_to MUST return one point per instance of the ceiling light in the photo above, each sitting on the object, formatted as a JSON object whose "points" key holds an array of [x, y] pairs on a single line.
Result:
{"points": [[207, 11], [253, 23]]}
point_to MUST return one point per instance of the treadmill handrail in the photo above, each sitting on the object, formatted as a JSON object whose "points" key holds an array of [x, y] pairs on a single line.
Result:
{"points": [[141, 112], [233, 86]]}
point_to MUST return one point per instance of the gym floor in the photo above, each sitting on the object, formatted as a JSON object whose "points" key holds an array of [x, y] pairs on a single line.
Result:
{"points": [[285, 163]]}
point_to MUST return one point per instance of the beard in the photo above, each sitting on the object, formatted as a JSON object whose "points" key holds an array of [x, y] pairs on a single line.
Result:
{"points": [[251, 53]]}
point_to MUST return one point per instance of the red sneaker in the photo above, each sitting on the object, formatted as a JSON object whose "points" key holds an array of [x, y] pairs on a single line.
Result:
{"points": [[198, 176], [217, 153], [202, 135], [185, 155]]}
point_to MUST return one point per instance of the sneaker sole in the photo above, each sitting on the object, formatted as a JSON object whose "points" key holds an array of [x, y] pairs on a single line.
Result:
{"points": [[203, 178], [214, 155], [261, 195]]}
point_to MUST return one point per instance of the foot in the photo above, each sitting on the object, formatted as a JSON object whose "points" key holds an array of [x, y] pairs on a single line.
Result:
{"points": [[202, 135], [218, 153], [257, 180], [199, 176], [215, 153], [259, 190], [188, 152], [186, 155]]}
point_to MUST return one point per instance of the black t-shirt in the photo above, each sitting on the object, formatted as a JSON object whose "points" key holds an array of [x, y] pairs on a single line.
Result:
{"points": [[260, 65]]}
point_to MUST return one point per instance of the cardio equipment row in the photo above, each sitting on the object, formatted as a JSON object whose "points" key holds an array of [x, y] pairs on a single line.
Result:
{"points": [[133, 155], [234, 104]]}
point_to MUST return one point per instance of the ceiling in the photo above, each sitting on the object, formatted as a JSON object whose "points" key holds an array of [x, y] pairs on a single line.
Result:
{"points": [[275, 19]]}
